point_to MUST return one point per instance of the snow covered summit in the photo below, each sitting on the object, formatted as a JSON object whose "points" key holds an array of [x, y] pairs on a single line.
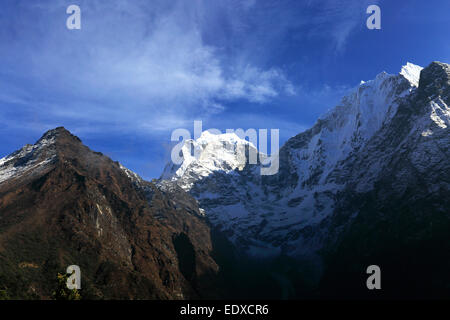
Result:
{"points": [[208, 154]]}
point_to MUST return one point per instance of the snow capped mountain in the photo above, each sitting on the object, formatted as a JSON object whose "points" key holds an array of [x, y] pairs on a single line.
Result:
{"points": [[394, 121], [285, 212], [206, 155], [419, 133], [368, 183], [411, 72]]}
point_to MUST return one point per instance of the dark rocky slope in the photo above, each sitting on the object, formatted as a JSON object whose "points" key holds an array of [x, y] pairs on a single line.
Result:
{"points": [[403, 222], [65, 204]]}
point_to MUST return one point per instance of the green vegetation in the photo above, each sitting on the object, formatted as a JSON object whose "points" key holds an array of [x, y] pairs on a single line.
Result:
{"points": [[4, 294], [64, 293]]}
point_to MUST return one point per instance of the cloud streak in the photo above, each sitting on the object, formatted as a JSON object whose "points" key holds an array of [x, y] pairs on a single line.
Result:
{"points": [[154, 66], [137, 60]]}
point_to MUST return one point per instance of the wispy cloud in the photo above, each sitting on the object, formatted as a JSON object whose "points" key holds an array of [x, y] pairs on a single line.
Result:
{"points": [[147, 64], [338, 19], [153, 66]]}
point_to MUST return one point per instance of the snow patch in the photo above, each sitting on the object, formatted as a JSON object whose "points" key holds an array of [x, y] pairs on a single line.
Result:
{"points": [[411, 72]]}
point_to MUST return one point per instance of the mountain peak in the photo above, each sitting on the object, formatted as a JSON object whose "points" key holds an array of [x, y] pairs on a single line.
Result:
{"points": [[435, 77], [228, 137], [411, 72], [209, 153], [58, 133], [38, 157]]}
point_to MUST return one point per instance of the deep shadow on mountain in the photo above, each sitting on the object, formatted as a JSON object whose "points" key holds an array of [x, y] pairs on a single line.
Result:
{"points": [[410, 242], [246, 277]]}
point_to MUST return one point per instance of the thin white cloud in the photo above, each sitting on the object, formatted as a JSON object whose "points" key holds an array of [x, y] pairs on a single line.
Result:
{"points": [[159, 64], [258, 86], [338, 19], [149, 65]]}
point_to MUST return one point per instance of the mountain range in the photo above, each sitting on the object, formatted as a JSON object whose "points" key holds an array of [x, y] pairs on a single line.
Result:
{"points": [[367, 184]]}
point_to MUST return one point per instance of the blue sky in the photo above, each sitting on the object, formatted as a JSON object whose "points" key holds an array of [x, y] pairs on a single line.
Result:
{"points": [[139, 69]]}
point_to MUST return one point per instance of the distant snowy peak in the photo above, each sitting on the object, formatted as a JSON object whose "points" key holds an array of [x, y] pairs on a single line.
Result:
{"points": [[411, 72], [383, 85], [207, 154], [358, 116]]}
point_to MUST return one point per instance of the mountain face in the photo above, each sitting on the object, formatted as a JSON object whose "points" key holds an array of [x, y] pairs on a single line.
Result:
{"points": [[394, 211], [262, 213], [372, 170], [63, 204]]}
